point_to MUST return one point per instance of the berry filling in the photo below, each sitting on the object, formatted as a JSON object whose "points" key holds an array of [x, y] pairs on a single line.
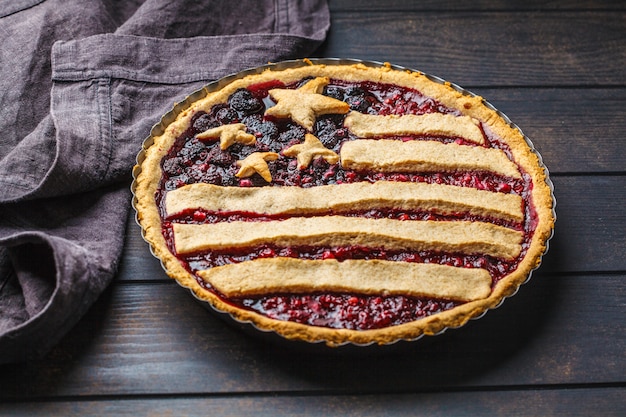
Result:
{"points": [[192, 160], [344, 311]]}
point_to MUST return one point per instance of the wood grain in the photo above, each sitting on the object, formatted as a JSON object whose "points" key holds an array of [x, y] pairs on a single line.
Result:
{"points": [[373, 6], [589, 234], [489, 48], [587, 122], [151, 338], [607, 402]]}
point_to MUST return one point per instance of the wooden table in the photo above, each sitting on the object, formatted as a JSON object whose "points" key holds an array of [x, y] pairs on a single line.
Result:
{"points": [[557, 348]]}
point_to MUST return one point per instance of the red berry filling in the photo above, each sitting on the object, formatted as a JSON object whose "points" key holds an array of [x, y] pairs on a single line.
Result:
{"points": [[344, 311], [191, 160]]}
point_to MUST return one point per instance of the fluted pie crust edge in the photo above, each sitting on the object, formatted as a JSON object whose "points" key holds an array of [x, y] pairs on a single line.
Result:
{"points": [[147, 182]]}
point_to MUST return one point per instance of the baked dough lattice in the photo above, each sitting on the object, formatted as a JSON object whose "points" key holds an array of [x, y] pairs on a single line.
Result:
{"points": [[344, 203]]}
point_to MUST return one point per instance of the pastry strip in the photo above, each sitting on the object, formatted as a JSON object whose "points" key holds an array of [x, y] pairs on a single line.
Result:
{"points": [[387, 155], [277, 275], [456, 236], [440, 198], [374, 126]]}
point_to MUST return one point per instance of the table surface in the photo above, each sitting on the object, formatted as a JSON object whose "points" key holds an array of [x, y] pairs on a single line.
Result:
{"points": [[555, 68]]}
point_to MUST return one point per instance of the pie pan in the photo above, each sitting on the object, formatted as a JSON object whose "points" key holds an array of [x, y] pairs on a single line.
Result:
{"points": [[249, 326]]}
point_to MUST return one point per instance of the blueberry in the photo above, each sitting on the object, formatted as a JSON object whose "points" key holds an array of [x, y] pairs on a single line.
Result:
{"points": [[243, 101]]}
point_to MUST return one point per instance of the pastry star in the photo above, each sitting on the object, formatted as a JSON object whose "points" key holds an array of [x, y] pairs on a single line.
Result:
{"points": [[311, 149], [229, 135], [256, 163], [304, 104], [315, 86]]}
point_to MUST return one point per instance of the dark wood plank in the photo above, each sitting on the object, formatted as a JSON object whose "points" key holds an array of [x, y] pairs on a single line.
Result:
{"points": [[588, 123], [605, 402], [589, 231], [489, 48], [137, 263], [156, 339], [376, 6]]}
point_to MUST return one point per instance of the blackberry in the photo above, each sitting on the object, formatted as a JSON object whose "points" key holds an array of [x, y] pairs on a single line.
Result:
{"points": [[225, 115], [173, 166], [334, 92], [266, 132], [358, 103], [193, 149], [182, 179], [326, 125], [326, 129], [355, 90], [244, 102], [292, 133], [357, 98], [214, 175], [203, 122], [218, 157]]}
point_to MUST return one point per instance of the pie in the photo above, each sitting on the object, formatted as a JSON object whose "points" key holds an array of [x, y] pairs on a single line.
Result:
{"points": [[344, 203]]}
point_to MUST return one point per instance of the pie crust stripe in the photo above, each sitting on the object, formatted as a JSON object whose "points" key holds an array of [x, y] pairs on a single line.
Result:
{"points": [[386, 155], [277, 275], [373, 126], [455, 236], [334, 247], [440, 198]]}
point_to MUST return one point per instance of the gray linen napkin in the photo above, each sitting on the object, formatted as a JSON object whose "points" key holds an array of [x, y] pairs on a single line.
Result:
{"points": [[81, 84]]}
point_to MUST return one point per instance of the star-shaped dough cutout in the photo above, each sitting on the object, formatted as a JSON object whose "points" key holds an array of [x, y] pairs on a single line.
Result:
{"points": [[229, 135], [311, 149], [304, 104], [315, 85], [255, 163]]}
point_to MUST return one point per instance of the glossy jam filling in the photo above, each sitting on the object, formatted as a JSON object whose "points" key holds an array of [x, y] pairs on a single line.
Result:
{"points": [[191, 160], [346, 311], [496, 268]]}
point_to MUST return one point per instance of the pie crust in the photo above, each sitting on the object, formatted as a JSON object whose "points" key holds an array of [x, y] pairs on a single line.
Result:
{"points": [[411, 197]]}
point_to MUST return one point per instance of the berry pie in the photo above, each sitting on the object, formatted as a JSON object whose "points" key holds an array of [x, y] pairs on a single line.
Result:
{"points": [[343, 202]]}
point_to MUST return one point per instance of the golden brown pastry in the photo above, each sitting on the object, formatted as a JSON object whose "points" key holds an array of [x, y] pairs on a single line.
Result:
{"points": [[344, 203]]}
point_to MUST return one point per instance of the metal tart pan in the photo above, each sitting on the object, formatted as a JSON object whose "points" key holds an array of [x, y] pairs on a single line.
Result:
{"points": [[269, 335]]}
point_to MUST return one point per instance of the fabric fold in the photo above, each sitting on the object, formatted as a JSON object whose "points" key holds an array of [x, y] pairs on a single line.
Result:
{"points": [[82, 83]]}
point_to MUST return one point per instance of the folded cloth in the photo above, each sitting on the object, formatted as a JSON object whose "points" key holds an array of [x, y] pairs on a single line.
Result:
{"points": [[81, 84]]}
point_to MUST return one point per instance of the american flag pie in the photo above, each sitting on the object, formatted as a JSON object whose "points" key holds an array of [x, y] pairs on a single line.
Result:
{"points": [[344, 203]]}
